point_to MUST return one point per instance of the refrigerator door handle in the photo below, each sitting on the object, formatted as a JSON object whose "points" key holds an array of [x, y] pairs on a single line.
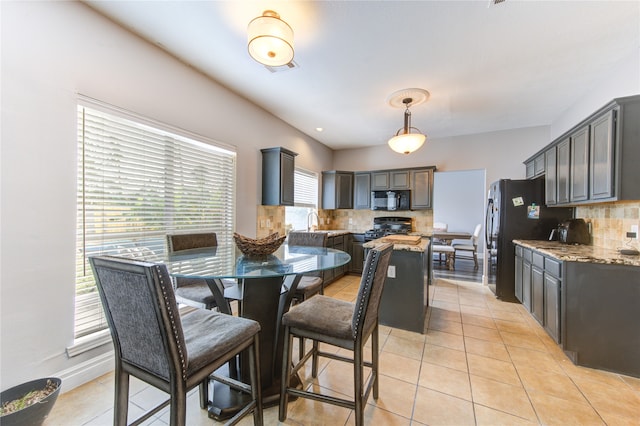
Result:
{"points": [[488, 228]]}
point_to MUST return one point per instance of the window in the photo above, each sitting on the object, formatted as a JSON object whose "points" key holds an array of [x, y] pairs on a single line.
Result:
{"points": [[137, 181], [305, 199]]}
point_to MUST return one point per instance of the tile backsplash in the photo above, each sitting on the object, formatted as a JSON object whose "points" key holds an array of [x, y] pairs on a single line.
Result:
{"points": [[610, 223]]}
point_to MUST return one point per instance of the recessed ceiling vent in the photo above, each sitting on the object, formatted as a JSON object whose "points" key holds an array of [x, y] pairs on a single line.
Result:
{"points": [[286, 67]]}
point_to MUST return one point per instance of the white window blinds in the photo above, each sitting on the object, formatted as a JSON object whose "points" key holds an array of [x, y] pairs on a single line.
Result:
{"points": [[136, 183], [305, 189]]}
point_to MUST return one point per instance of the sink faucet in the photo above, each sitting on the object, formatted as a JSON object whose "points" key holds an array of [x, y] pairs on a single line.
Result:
{"points": [[310, 216]]}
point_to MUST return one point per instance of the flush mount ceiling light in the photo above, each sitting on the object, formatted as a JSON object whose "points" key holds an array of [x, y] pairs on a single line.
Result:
{"points": [[270, 40], [405, 142]]}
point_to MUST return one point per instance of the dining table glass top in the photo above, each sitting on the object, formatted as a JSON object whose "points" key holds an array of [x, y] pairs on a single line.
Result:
{"points": [[227, 261]]}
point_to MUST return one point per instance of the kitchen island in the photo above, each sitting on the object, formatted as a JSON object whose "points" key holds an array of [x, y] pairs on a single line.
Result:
{"points": [[406, 290], [587, 299]]}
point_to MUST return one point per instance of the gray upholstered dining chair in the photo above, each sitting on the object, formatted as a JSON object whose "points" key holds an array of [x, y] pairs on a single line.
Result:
{"points": [[311, 283], [345, 325], [171, 352], [469, 248], [194, 291]]}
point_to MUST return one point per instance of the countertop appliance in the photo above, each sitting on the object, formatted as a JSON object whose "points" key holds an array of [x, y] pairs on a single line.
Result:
{"points": [[574, 231], [515, 210], [391, 200], [388, 225]]}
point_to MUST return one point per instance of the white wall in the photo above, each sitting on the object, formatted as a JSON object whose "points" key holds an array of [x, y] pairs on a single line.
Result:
{"points": [[459, 201], [624, 80], [50, 52]]}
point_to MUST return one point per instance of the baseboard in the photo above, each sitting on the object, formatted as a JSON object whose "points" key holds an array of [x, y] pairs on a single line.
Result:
{"points": [[86, 371]]}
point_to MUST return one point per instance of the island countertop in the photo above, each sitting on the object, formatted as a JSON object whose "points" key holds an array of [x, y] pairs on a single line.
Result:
{"points": [[579, 252], [421, 246]]}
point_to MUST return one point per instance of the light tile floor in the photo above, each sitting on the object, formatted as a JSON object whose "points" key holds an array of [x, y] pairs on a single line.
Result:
{"points": [[481, 362]]}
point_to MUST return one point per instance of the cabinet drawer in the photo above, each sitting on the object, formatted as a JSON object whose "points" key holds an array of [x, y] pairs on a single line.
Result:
{"points": [[552, 267], [538, 260], [338, 241], [526, 254]]}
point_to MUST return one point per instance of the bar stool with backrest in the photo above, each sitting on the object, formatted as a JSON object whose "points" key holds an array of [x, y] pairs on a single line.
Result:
{"points": [[469, 248], [345, 325], [195, 291], [157, 345], [312, 283]]}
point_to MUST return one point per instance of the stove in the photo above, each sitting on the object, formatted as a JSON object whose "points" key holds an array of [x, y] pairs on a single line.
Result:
{"points": [[388, 225]]}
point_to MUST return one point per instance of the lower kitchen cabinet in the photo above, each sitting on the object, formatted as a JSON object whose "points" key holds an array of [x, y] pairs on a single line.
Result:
{"points": [[357, 253], [552, 305], [537, 287], [336, 242], [523, 276]]}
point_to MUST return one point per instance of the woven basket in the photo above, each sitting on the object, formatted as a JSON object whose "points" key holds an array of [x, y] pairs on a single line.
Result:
{"points": [[260, 247]]}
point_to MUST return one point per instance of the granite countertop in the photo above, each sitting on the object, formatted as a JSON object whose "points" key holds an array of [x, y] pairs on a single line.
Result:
{"points": [[420, 247], [335, 232], [579, 253]]}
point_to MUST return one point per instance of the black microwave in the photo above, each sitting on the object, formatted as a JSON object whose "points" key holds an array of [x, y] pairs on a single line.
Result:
{"points": [[391, 200]]}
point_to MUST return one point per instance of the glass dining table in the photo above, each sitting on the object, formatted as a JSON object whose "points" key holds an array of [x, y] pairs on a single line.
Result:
{"points": [[264, 290]]}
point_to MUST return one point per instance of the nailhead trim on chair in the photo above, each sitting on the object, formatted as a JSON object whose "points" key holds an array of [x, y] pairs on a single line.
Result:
{"points": [[173, 323], [369, 281]]}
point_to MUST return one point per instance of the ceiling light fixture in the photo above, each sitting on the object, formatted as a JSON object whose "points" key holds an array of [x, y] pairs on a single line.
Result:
{"points": [[405, 142], [270, 40]]}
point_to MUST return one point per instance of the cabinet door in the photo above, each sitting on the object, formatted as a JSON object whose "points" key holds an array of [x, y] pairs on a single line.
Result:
{"points": [[399, 179], [357, 253], [422, 192], [379, 181], [526, 284], [539, 165], [362, 191], [518, 277], [563, 162], [287, 171], [552, 306], [580, 165], [530, 169], [344, 199], [601, 163], [550, 183], [537, 294]]}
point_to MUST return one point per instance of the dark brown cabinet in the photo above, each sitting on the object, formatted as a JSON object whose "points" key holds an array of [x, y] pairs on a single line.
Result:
{"points": [[535, 167], [601, 161], [563, 171], [596, 161], [390, 179], [278, 167], [579, 166], [362, 190], [337, 190], [422, 191]]}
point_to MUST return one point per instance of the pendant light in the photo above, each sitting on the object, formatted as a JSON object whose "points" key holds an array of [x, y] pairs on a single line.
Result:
{"points": [[270, 40], [407, 139]]}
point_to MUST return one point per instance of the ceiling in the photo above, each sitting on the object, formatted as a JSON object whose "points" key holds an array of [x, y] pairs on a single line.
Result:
{"points": [[487, 67]]}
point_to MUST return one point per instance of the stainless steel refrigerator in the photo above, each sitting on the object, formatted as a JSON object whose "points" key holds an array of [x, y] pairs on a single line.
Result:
{"points": [[515, 211]]}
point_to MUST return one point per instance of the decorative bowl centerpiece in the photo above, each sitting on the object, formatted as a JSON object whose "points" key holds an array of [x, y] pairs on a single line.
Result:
{"points": [[258, 247], [29, 403]]}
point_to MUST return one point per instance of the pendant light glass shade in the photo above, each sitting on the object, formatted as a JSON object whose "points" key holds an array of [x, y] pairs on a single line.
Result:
{"points": [[270, 40], [404, 141], [407, 143]]}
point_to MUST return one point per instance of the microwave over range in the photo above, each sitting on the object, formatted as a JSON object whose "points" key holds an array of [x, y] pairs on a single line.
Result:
{"points": [[391, 200]]}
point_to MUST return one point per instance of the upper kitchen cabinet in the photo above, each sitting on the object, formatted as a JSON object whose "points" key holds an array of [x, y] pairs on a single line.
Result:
{"points": [[422, 189], [278, 167], [550, 167], [596, 161], [535, 166], [362, 190], [337, 190], [579, 165], [390, 179]]}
